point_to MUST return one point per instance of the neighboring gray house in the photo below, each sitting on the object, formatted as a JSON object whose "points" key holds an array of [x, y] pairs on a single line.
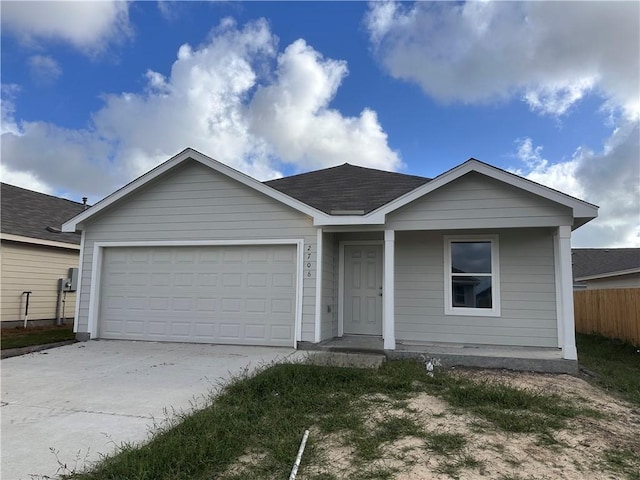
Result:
{"points": [[194, 251], [601, 268]]}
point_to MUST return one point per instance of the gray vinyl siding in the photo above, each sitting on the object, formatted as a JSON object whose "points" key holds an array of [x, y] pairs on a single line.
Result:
{"points": [[193, 202], [477, 201], [527, 289], [329, 306]]}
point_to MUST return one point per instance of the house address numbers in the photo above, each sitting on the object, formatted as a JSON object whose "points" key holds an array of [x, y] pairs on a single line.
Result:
{"points": [[309, 260]]}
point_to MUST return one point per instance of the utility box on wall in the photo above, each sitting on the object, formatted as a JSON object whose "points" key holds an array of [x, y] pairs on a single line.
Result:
{"points": [[73, 280]]}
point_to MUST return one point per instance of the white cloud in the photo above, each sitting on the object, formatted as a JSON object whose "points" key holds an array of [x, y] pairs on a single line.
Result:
{"points": [[609, 179], [60, 159], [25, 180], [89, 25], [8, 91], [293, 115], [549, 53], [166, 9], [44, 68], [217, 98]]}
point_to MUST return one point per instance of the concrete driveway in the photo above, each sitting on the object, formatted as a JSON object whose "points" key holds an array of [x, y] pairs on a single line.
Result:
{"points": [[83, 400]]}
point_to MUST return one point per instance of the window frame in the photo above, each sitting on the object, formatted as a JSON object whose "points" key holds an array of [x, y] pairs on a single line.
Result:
{"points": [[449, 309]]}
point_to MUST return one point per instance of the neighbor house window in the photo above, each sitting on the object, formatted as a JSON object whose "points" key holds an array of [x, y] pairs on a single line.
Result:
{"points": [[472, 285]]}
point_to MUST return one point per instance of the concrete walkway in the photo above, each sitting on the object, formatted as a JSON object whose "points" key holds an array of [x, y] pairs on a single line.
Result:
{"points": [[84, 400]]}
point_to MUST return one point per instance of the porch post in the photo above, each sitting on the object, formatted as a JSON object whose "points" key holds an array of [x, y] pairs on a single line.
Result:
{"points": [[318, 309], [388, 290], [569, 351], [559, 289]]}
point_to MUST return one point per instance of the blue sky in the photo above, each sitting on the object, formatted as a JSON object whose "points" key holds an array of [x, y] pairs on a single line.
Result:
{"points": [[96, 93]]}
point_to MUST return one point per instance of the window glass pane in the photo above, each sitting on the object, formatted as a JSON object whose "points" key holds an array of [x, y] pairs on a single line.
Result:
{"points": [[471, 292], [470, 257]]}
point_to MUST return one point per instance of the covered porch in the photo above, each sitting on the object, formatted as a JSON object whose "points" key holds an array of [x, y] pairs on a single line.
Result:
{"points": [[396, 306]]}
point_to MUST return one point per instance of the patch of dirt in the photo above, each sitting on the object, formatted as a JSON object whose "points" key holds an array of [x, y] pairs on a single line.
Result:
{"points": [[577, 454]]}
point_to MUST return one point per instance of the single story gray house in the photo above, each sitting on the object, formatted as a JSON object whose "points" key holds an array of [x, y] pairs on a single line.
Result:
{"points": [[195, 251]]}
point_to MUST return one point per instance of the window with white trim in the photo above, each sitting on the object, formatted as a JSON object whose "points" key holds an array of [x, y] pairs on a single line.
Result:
{"points": [[471, 273]]}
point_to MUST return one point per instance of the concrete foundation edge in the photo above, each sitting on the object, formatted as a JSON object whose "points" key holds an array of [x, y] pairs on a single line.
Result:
{"points": [[501, 363], [83, 336]]}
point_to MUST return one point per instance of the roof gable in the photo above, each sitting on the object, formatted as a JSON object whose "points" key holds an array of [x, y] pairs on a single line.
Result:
{"points": [[187, 154], [347, 188], [36, 215], [345, 195], [582, 211]]}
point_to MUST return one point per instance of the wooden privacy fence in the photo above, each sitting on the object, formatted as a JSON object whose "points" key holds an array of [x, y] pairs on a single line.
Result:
{"points": [[613, 313]]}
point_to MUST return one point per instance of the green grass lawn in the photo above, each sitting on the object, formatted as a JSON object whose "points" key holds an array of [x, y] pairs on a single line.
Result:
{"points": [[21, 337], [616, 365], [252, 430]]}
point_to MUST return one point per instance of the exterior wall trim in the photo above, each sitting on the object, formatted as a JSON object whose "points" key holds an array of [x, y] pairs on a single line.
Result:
{"points": [[79, 287], [96, 271], [389, 291], [318, 311], [559, 288], [569, 351]]}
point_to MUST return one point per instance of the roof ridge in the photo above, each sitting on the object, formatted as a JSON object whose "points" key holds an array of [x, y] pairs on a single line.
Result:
{"points": [[346, 164]]}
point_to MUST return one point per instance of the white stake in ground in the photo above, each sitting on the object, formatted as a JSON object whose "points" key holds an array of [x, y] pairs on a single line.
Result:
{"points": [[294, 472]]}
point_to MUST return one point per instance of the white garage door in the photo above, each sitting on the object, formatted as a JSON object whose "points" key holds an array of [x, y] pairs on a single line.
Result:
{"points": [[214, 294]]}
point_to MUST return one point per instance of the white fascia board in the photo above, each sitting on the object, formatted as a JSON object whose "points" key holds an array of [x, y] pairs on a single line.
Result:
{"points": [[618, 273], [76, 222], [38, 241], [580, 208], [370, 219]]}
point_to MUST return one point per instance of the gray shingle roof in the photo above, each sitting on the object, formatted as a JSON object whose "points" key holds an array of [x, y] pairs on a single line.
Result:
{"points": [[28, 214], [596, 261], [347, 188]]}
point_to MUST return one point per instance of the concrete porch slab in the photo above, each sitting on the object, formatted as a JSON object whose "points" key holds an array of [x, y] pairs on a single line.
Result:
{"points": [[345, 359], [347, 343], [532, 359]]}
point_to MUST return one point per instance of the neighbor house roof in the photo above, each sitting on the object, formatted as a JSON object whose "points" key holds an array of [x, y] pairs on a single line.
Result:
{"points": [[596, 262], [34, 215], [347, 188]]}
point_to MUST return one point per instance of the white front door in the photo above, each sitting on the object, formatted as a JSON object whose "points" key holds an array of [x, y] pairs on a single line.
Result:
{"points": [[363, 290]]}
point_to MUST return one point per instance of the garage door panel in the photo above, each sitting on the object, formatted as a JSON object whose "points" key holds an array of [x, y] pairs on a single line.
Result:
{"points": [[157, 328], [207, 280], [231, 294], [255, 331], [281, 332]]}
